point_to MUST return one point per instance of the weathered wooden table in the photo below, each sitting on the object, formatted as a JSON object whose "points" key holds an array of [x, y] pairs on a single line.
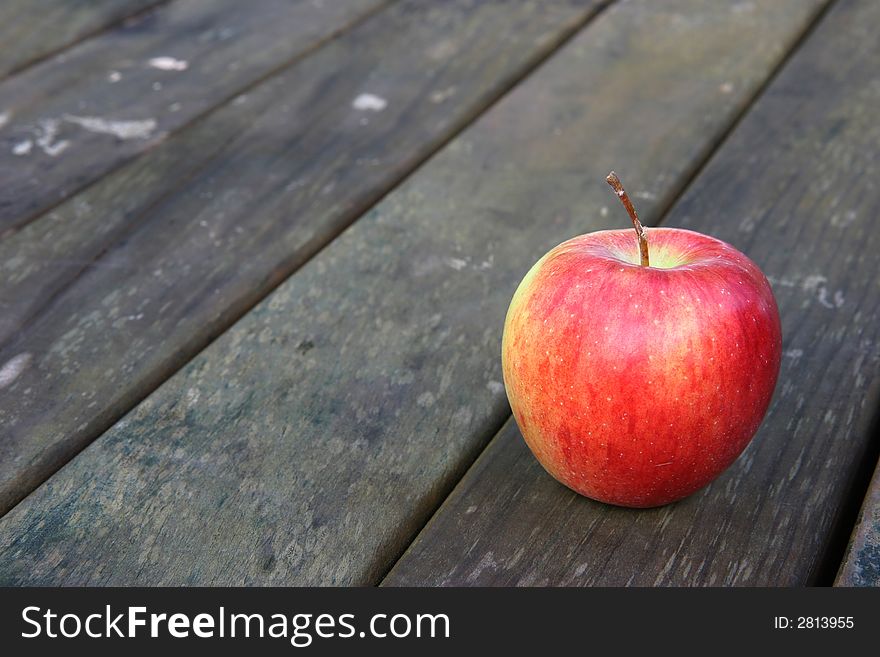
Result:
{"points": [[255, 259]]}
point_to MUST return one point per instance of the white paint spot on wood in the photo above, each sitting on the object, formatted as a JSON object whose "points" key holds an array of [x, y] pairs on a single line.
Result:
{"points": [[113, 77], [192, 396], [844, 220], [119, 129], [816, 283], [442, 94], [369, 103], [13, 368], [5, 117], [48, 131], [169, 64], [726, 88], [23, 147], [495, 387], [456, 263], [782, 282], [813, 282], [794, 354], [426, 400], [463, 417]]}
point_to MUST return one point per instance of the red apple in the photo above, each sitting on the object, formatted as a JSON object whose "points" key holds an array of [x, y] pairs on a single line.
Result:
{"points": [[639, 365]]}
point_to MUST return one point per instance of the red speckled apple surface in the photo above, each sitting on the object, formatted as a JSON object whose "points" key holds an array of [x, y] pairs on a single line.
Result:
{"points": [[639, 385]]}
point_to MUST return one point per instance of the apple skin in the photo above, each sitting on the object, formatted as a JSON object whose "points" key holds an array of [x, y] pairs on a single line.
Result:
{"points": [[634, 385]]}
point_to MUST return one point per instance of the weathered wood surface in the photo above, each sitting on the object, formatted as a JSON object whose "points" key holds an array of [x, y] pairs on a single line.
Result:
{"points": [[33, 29], [861, 565], [795, 187], [75, 117], [311, 441], [117, 288]]}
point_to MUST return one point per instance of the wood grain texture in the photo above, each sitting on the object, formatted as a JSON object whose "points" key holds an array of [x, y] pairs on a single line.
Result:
{"points": [[312, 440], [861, 565], [75, 117], [795, 188], [117, 288], [33, 29]]}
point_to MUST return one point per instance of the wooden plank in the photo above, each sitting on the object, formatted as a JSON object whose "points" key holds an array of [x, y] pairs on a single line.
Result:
{"points": [[74, 118], [795, 187], [310, 442], [861, 565], [32, 30], [119, 287]]}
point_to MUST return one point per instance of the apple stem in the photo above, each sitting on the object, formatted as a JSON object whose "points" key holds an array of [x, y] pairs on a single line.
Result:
{"points": [[615, 183]]}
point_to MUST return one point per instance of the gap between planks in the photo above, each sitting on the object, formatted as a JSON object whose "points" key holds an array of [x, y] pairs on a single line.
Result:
{"points": [[85, 36], [847, 528]]}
